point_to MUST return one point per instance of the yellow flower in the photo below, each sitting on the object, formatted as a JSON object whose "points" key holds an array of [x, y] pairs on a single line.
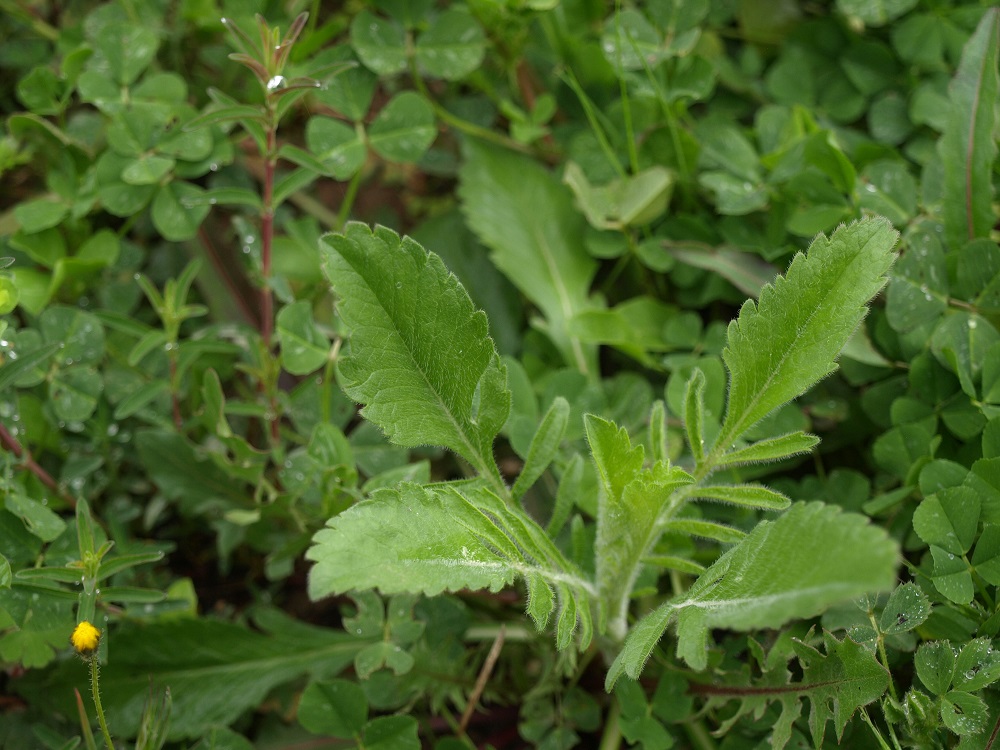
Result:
{"points": [[85, 638]]}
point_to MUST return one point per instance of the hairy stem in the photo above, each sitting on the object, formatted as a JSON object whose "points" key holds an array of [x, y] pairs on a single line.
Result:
{"points": [[96, 692]]}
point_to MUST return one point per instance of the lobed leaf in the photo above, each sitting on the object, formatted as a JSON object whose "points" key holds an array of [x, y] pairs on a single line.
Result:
{"points": [[431, 539], [811, 557], [421, 360]]}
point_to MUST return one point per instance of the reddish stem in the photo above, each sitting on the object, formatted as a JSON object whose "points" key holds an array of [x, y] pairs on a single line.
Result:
{"points": [[266, 239], [175, 401], [11, 443]]}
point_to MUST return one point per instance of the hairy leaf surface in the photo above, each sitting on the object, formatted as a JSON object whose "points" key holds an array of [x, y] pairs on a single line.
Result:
{"points": [[632, 504], [421, 361], [782, 344], [837, 681], [811, 557], [432, 539]]}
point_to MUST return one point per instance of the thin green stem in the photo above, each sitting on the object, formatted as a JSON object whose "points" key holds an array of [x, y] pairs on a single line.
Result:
{"points": [[464, 126], [95, 690], [39, 26], [699, 735], [871, 725], [633, 153], [348, 201], [591, 113], [611, 739]]}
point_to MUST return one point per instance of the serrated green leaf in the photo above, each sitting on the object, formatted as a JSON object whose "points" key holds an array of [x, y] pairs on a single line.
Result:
{"points": [[968, 146], [789, 339], [5, 574], [750, 495], [704, 529], [433, 539], [811, 557], [527, 219], [421, 361], [906, 609], [771, 449], [846, 678], [935, 665], [544, 446], [977, 666], [964, 713]]}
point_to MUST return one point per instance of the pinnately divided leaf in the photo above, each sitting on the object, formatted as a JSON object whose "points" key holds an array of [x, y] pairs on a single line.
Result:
{"points": [[421, 360], [837, 681], [431, 539], [788, 340], [811, 557]]}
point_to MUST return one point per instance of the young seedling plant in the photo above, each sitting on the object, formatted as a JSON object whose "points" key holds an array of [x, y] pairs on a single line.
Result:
{"points": [[424, 368]]}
